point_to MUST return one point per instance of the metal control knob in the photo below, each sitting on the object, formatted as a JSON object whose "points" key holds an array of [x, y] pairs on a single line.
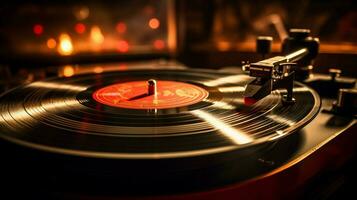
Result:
{"points": [[346, 101], [299, 33], [263, 45], [334, 73]]}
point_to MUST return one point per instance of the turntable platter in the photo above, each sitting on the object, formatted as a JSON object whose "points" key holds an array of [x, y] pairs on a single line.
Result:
{"points": [[109, 115]]}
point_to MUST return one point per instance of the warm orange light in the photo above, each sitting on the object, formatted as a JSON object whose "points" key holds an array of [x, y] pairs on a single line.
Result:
{"points": [[122, 67], [68, 71], [159, 44], [37, 29], [223, 45], [96, 35], [123, 46], [80, 28], [154, 23], [82, 13], [51, 43], [65, 45], [121, 27], [98, 70]]}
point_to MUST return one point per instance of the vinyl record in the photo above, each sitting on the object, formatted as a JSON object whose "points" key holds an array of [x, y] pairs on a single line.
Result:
{"points": [[111, 115]]}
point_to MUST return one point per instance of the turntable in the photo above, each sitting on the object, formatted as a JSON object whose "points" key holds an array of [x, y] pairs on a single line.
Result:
{"points": [[170, 131], [161, 130]]}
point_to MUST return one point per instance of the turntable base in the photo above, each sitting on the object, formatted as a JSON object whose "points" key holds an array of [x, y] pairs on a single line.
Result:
{"points": [[79, 147]]}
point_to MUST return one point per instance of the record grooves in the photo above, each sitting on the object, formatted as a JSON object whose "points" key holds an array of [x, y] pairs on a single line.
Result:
{"points": [[60, 115]]}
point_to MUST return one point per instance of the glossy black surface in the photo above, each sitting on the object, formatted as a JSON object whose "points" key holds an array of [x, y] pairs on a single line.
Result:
{"points": [[59, 115], [38, 173]]}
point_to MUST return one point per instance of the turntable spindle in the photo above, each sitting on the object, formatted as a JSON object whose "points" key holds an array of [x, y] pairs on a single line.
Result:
{"points": [[152, 87]]}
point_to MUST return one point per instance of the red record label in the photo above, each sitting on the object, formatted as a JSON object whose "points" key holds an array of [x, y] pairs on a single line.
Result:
{"points": [[135, 95]]}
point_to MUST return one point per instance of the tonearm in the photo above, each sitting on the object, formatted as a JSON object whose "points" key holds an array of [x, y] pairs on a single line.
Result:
{"points": [[279, 72]]}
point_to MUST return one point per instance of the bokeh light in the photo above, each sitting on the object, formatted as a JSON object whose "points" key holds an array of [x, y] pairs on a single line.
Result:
{"points": [[51, 43], [65, 44], [154, 23], [37, 29], [123, 46], [121, 27], [159, 44], [80, 28]]}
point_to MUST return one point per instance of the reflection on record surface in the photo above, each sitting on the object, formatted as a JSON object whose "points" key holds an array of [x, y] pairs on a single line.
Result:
{"points": [[112, 115]]}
